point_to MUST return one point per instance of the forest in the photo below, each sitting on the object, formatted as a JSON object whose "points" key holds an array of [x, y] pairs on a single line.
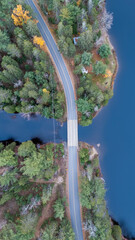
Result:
{"points": [[80, 28], [32, 177], [27, 76], [32, 192]]}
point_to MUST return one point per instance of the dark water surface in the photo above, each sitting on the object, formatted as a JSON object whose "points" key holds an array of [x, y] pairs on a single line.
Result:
{"points": [[113, 128]]}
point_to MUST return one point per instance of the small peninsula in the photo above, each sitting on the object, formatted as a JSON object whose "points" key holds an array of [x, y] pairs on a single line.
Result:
{"points": [[80, 29], [29, 83], [96, 221]]}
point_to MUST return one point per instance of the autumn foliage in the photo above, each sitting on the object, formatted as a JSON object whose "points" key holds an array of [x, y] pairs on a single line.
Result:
{"points": [[108, 74], [78, 2], [38, 40], [45, 90], [20, 16]]}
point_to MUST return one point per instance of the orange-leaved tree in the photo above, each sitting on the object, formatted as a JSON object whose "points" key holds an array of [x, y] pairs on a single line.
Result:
{"points": [[78, 2], [38, 40], [108, 73], [20, 16]]}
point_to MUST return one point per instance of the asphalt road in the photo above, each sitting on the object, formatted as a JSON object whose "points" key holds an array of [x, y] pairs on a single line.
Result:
{"points": [[72, 123]]}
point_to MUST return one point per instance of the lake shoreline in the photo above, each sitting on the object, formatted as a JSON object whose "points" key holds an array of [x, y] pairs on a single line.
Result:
{"points": [[93, 153], [107, 37]]}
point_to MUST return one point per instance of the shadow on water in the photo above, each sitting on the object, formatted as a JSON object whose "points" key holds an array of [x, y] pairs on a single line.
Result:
{"points": [[20, 129]]}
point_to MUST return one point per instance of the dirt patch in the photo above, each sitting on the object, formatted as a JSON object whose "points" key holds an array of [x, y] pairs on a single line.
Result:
{"points": [[116, 69], [59, 188], [11, 207]]}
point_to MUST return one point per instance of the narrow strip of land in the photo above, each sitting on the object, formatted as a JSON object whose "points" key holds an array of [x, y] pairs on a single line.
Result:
{"points": [[72, 128]]}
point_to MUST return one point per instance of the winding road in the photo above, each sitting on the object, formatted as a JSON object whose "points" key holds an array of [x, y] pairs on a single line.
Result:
{"points": [[72, 123]]}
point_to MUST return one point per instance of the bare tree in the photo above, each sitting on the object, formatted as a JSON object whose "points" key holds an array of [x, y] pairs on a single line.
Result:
{"points": [[100, 4], [90, 6], [99, 41], [56, 8], [67, 1], [106, 20], [19, 83], [26, 115], [90, 227]]}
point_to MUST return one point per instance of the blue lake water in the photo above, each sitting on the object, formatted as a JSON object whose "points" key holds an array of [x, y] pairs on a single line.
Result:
{"points": [[113, 128]]}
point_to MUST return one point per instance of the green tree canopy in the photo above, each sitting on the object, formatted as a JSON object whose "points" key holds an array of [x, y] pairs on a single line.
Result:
{"points": [[69, 14], [28, 87], [66, 231], [85, 193], [31, 28], [59, 209], [33, 165], [4, 41], [66, 46], [20, 37], [104, 51], [27, 48], [116, 232], [26, 149], [9, 108], [8, 178], [50, 232], [65, 30], [84, 106], [84, 155], [86, 58], [77, 59], [13, 50], [7, 158], [99, 68], [85, 41], [5, 95], [7, 60]]}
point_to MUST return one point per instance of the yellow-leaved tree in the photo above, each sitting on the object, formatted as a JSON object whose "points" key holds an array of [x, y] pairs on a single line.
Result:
{"points": [[38, 40], [20, 16], [45, 96], [45, 90], [108, 73]]}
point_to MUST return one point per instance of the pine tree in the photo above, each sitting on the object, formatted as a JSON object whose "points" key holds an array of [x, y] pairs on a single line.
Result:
{"points": [[13, 50], [31, 28]]}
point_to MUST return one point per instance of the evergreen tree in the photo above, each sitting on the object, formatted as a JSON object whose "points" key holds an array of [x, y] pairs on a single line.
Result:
{"points": [[4, 41], [13, 50]]}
